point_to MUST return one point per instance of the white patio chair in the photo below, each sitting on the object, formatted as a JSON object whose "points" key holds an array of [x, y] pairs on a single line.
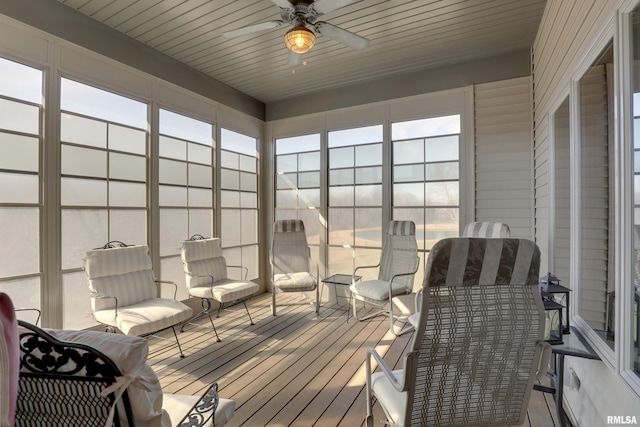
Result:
{"points": [[479, 345], [124, 292], [291, 262], [206, 277], [397, 267]]}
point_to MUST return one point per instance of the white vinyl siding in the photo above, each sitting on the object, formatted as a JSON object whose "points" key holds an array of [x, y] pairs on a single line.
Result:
{"points": [[503, 150]]}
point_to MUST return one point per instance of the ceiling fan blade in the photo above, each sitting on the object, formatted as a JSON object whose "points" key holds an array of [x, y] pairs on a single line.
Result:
{"points": [[283, 4], [341, 35], [325, 6], [295, 59], [253, 29]]}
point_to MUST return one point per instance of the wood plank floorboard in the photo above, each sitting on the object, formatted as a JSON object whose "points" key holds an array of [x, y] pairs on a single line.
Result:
{"points": [[293, 369]]}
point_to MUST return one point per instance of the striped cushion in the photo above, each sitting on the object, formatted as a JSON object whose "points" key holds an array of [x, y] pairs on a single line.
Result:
{"points": [[147, 316], [476, 261], [487, 229], [122, 272], [294, 282], [289, 251], [214, 267], [9, 361], [195, 250], [225, 290], [377, 290], [402, 228], [399, 254]]}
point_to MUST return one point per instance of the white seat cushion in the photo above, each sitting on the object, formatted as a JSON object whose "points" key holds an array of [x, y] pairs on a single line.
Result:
{"points": [[393, 401], [226, 290], [377, 290], [147, 316], [177, 405], [294, 282]]}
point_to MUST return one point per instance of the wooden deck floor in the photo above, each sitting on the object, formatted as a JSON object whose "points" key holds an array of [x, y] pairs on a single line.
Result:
{"points": [[290, 370]]}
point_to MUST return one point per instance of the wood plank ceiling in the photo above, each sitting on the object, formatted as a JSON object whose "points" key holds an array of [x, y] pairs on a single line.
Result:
{"points": [[405, 36]]}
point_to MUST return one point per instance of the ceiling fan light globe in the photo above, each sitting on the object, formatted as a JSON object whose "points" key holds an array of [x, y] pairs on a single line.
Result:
{"points": [[299, 39]]}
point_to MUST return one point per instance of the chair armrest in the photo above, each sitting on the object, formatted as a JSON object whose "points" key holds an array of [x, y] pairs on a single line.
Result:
{"points": [[103, 296], [372, 353], [203, 410], [168, 282], [245, 269], [365, 266], [39, 313]]}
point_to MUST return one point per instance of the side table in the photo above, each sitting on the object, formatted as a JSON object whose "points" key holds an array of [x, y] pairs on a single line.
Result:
{"points": [[574, 345], [342, 280]]}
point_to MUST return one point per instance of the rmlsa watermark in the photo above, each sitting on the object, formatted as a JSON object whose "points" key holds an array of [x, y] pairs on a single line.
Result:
{"points": [[621, 419]]}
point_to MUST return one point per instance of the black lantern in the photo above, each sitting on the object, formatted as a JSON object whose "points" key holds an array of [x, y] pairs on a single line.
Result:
{"points": [[553, 322], [551, 289]]}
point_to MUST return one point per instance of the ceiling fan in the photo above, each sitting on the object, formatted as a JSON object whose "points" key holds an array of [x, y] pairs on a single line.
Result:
{"points": [[303, 16]]}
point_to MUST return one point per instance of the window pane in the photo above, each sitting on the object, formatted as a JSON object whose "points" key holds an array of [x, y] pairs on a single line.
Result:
{"points": [[369, 155], [298, 144], [83, 162], [83, 131], [341, 227], [83, 192], [230, 179], [127, 194], [19, 117], [199, 154], [369, 175], [20, 81], [200, 176], [440, 149], [341, 177], [200, 198], [288, 163], [19, 188], [230, 199], [368, 195], [408, 194], [426, 127], [308, 198], [442, 171], [408, 152], [125, 166], [90, 101], [229, 160], [173, 148], [341, 158], [184, 127], [126, 139], [341, 196], [19, 152], [408, 173], [248, 164], [174, 226], [309, 180], [356, 136], [82, 230], [172, 196], [128, 225], [442, 193], [20, 241], [249, 200], [309, 161], [238, 142], [172, 172]]}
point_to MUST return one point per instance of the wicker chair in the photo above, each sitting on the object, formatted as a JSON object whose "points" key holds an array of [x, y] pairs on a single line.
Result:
{"points": [[291, 262], [478, 347], [397, 267]]}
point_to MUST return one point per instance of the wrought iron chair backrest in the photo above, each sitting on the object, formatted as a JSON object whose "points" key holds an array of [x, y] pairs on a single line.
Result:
{"points": [[64, 381]]}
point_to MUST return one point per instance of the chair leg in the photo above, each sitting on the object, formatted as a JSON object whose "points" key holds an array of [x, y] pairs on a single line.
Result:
{"points": [[214, 327], [273, 301], [248, 314], [173, 328]]}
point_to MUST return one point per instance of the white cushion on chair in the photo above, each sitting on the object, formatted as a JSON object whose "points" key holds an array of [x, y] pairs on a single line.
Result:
{"points": [[377, 290], [393, 401], [294, 282], [130, 356], [147, 316], [214, 267], [226, 290]]}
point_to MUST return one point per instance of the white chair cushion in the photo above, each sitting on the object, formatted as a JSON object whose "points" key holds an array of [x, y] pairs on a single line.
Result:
{"points": [[110, 262], [393, 401], [214, 267], [226, 290], [129, 353], [294, 282], [377, 290], [177, 405], [130, 288], [195, 250], [146, 317]]}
